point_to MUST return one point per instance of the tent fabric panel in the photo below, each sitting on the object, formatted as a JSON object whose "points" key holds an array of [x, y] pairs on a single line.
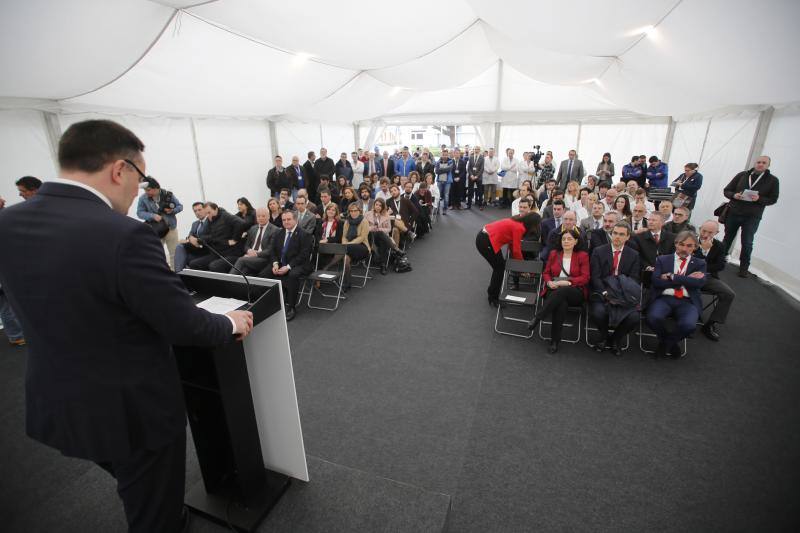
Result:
{"points": [[24, 151], [622, 141]]}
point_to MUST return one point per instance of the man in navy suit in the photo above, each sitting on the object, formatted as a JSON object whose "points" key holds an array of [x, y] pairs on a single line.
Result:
{"points": [[550, 224], [291, 259], [676, 283], [613, 259], [100, 315], [189, 248]]}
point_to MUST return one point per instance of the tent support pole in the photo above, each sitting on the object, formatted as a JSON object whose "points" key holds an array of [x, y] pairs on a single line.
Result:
{"points": [[578, 140], [760, 135], [197, 160], [52, 129], [356, 135], [497, 137], [668, 140], [705, 140], [273, 138]]}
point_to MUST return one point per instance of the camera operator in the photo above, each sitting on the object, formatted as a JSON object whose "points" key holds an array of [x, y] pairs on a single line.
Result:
{"points": [[158, 207]]}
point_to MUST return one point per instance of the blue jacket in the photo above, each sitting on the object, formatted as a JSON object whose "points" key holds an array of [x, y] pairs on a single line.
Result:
{"points": [[632, 172], [658, 176], [666, 263], [442, 168], [404, 167], [147, 207], [691, 185]]}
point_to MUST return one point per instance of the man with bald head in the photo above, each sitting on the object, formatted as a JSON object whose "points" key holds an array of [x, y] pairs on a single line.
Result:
{"points": [[258, 244], [712, 251], [569, 221], [749, 192]]}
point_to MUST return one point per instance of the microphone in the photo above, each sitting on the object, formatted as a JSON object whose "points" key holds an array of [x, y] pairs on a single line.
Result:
{"points": [[247, 281]]}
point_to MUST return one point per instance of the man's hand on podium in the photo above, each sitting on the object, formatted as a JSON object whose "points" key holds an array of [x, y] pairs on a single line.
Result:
{"points": [[243, 321]]}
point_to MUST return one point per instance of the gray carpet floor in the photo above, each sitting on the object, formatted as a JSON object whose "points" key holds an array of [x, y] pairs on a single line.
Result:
{"points": [[418, 417]]}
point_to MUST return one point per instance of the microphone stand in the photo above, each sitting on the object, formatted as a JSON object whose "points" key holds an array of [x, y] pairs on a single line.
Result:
{"points": [[247, 281]]}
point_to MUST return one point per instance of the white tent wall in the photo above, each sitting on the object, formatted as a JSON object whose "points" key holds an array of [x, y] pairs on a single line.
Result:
{"points": [[777, 246], [24, 150], [621, 140], [337, 138], [234, 159]]}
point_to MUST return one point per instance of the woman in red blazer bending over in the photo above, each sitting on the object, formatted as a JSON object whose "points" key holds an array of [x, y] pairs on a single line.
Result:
{"points": [[566, 277], [492, 238]]}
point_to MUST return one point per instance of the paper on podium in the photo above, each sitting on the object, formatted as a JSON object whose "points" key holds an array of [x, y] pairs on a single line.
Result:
{"points": [[220, 306]]}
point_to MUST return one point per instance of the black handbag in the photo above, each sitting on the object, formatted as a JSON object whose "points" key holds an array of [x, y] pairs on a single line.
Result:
{"points": [[161, 227], [721, 212]]}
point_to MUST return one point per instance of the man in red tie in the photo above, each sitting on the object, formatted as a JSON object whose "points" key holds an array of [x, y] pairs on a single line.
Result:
{"points": [[676, 283], [611, 261]]}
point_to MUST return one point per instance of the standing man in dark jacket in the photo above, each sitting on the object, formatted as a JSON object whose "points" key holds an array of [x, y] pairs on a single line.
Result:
{"points": [[459, 177], [749, 193], [312, 178], [102, 383], [277, 178], [613, 259], [324, 166], [475, 178]]}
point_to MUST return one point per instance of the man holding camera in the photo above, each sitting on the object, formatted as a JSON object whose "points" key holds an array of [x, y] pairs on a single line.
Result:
{"points": [[158, 208]]}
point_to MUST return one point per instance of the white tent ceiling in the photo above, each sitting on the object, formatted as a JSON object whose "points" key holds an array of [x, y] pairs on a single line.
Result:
{"points": [[356, 60]]}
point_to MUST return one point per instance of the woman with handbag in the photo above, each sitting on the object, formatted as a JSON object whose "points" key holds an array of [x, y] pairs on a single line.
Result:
{"points": [[566, 278], [686, 186]]}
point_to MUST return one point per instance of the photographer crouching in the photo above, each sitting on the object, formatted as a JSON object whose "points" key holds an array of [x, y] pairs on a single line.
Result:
{"points": [[158, 207]]}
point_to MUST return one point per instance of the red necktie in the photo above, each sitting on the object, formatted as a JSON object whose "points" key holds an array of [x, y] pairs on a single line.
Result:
{"points": [[616, 261], [681, 270]]}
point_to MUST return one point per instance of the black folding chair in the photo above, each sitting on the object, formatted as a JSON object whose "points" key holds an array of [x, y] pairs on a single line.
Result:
{"points": [[649, 332], [512, 298], [327, 277]]}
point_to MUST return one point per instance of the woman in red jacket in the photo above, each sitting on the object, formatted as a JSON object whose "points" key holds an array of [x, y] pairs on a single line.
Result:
{"points": [[492, 238], [566, 278]]}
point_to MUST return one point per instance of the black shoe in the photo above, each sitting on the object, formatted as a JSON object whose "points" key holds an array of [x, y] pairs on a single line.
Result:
{"points": [[599, 347], [494, 302], [661, 350], [675, 351], [383, 270], [290, 312], [744, 273], [533, 324], [346, 287], [553, 348], [710, 331], [614, 348]]}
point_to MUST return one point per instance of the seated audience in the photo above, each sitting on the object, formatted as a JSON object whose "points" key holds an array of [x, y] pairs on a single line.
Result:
{"points": [[274, 209], [665, 208], [348, 197], [554, 221], [687, 185], [355, 234], [638, 218], [403, 214], [331, 226], [712, 251], [421, 218], [631, 188], [245, 211], [189, 248], [652, 243], [290, 255], [326, 183], [258, 246], [523, 192], [306, 220], [595, 221], [325, 201], [641, 198], [565, 277], [311, 206], [680, 221], [569, 222], [547, 208], [623, 206], [609, 201], [384, 193], [380, 228], [222, 234], [365, 198], [423, 200], [675, 292], [600, 237], [285, 200], [609, 302]]}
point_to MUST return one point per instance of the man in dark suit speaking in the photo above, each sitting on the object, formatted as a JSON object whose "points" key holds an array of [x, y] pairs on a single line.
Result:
{"points": [[100, 316]]}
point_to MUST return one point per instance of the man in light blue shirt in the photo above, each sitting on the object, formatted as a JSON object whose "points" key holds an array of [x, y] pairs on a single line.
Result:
{"points": [[157, 205]]}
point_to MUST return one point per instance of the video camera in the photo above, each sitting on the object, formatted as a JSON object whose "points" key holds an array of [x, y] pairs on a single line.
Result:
{"points": [[537, 155]]}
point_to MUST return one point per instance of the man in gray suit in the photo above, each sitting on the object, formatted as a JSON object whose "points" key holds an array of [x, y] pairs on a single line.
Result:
{"points": [[258, 244], [306, 220], [570, 170]]}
